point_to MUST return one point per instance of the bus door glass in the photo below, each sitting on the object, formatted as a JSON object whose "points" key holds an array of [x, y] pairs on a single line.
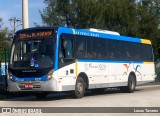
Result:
{"points": [[66, 54]]}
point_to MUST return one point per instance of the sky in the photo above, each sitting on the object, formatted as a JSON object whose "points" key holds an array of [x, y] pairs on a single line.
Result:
{"points": [[13, 8]]}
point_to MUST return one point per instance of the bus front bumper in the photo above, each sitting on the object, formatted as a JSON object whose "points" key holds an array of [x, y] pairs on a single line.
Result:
{"points": [[50, 85]]}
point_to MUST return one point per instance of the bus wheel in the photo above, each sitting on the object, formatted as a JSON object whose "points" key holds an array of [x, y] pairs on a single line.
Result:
{"points": [[41, 95], [131, 84], [79, 88]]}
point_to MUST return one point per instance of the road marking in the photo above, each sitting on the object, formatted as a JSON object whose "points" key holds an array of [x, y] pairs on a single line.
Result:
{"points": [[148, 86]]}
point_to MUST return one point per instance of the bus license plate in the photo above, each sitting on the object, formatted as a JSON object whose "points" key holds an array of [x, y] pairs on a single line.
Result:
{"points": [[28, 86]]}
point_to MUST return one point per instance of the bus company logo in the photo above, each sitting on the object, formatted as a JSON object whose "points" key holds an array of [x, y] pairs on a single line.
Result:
{"points": [[87, 34]]}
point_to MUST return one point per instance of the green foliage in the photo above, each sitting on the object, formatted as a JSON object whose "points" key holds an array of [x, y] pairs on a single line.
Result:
{"points": [[4, 43], [58, 12], [136, 18], [158, 71]]}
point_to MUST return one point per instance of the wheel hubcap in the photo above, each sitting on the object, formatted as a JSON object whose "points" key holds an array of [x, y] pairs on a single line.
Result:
{"points": [[132, 84], [80, 88]]}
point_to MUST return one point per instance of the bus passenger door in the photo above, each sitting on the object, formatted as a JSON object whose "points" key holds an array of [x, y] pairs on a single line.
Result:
{"points": [[66, 63]]}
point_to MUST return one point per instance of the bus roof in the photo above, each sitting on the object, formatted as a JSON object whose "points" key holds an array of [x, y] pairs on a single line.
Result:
{"points": [[91, 32], [110, 36]]}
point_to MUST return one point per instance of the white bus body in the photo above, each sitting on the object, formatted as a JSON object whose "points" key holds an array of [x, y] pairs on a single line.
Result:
{"points": [[84, 60]]}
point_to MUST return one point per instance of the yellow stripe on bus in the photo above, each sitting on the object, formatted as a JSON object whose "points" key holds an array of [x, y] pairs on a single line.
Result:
{"points": [[145, 41], [148, 62], [76, 68], [74, 32]]}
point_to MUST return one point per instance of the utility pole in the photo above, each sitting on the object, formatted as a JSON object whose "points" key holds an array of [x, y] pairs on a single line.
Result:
{"points": [[15, 23], [25, 14]]}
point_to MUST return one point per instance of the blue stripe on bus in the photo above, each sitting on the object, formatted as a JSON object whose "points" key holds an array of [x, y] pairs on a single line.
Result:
{"points": [[122, 38], [107, 36], [109, 61]]}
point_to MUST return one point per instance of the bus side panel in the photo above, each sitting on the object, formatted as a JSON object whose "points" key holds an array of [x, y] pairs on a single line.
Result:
{"points": [[118, 74], [67, 77], [96, 72], [147, 72]]}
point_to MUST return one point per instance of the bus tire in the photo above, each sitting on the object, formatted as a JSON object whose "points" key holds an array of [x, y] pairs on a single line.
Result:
{"points": [[79, 88], [131, 84], [41, 95]]}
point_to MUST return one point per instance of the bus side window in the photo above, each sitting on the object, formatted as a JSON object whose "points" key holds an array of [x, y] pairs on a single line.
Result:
{"points": [[81, 47], [67, 51]]}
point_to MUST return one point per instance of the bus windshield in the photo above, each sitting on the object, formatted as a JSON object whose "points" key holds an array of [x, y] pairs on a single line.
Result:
{"points": [[32, 54]]}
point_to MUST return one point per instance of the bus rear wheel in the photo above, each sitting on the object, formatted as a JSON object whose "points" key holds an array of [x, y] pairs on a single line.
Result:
{"points": [[131, 84], [130, 88], [79, 88]]}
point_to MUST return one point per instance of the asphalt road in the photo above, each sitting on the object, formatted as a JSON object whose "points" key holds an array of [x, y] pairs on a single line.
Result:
{"points": [[144, 96]]}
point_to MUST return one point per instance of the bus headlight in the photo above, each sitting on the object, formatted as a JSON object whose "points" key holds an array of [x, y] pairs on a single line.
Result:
{"points": [[10, 76], [50, 75]]}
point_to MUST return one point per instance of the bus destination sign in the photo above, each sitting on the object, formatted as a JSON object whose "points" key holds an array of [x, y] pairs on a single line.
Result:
{"points": [[34, 34]]}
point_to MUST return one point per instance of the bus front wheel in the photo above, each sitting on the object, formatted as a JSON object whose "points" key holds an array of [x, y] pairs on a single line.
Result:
{"points": [[79, 88]]}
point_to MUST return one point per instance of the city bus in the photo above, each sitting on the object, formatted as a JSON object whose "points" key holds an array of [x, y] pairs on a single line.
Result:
{"points": [[60, 59]]}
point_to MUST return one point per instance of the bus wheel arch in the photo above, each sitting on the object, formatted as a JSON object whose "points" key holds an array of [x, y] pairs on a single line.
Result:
{"points": [[85, 78], [131, 84]]}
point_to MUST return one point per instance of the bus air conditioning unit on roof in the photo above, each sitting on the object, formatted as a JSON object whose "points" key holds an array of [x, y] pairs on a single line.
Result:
{"points": [[103, 31]]}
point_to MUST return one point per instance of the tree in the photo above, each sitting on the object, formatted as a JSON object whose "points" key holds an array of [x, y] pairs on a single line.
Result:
{"points": [[135, 18], [58, 13], [4, 43], [149, 22], [71, 13], [120, 15], [105, 14]]}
